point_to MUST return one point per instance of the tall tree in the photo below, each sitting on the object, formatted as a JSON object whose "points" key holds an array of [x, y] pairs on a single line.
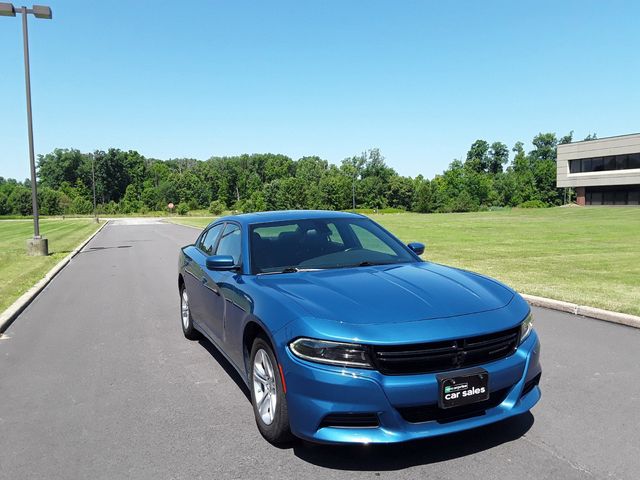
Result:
{"points": [[568, 138], [498, 156], [545, 147], [478, 156], [63, 165]]}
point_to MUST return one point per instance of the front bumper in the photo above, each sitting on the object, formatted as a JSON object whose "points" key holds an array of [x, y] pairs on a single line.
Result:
{"points": [[315, 391]]}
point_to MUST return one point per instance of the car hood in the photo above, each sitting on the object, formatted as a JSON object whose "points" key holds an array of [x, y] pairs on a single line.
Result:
{"points": [[389, 293]]}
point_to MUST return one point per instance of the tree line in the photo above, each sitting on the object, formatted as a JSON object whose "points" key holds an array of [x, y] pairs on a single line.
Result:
{"points": [[126, 182]]}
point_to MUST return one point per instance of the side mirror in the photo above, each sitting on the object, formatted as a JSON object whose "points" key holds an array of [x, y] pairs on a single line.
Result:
{"points": [[220, 262], [416, 247]]}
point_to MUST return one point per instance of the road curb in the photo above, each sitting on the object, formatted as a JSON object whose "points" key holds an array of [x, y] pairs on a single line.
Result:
{"points": [[16, 308], [585, 311]]}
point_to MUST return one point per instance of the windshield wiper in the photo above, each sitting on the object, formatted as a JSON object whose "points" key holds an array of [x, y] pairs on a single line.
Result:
{"points": [[369, 263], [291, 270]]}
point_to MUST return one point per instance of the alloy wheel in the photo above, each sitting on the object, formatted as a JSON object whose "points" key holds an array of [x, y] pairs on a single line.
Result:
{"points": [[184, 309], [264, 386]]}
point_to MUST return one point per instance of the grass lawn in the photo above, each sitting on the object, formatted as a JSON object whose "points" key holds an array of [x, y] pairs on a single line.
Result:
{"points": [[589, 256], [19, 272]]}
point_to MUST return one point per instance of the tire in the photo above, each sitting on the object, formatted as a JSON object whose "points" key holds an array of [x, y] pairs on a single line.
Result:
{"points": [[186, 320], [271, 413]]}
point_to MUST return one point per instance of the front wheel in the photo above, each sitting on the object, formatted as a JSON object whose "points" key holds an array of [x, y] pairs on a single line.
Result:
{"points": [[267, 394], [185, 316]]}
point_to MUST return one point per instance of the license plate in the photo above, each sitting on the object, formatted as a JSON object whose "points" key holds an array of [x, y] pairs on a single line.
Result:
{"points": [[463, 388]]}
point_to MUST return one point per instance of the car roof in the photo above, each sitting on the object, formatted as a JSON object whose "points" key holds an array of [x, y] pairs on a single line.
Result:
{"points": [[284, 215]]}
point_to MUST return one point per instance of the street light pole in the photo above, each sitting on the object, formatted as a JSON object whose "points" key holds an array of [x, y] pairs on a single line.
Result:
{"points": [[32, 161], [93, 183], [353, 193], [36, 245]]}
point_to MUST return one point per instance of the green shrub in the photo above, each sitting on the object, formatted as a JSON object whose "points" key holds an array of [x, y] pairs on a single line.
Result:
{"points": [[464, 202], [182, 209], [19, 201], [110, 208], [81, 206], [533, 204], [4, 204], [255, 203], [49, 201], [238, 207], [217, 207], [65, 203], [132, 206]]}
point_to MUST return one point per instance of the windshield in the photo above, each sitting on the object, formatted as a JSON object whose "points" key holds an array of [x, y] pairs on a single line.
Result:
{"points": [[323, 243]]}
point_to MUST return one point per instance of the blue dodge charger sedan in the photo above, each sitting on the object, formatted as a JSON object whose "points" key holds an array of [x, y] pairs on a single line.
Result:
{"points": [[343, 334]]}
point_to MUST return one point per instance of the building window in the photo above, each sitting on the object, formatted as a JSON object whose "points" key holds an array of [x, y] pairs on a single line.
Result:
{"points": [[595, 198], [621, 162], [608, 198], [608, 163], [613, 195], [620, 197]]}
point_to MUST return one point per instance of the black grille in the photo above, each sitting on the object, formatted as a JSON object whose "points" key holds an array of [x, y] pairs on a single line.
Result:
{"points": [[350, 420], [431, 412], [531, 384], [447, 355]]}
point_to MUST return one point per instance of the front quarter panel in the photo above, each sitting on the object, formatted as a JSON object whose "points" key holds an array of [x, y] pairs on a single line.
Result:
{"points": [[247, 302]]}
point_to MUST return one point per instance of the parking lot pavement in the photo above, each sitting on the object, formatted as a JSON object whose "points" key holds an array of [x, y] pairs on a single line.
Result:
{"points": [[96, 381]]}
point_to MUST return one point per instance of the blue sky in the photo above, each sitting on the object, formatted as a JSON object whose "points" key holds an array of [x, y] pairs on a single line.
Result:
{"points": [[421, 80]]}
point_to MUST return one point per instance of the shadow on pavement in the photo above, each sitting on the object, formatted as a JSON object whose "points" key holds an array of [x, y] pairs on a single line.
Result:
{"points": [[97, 249], [226, 366], [419, 452]]}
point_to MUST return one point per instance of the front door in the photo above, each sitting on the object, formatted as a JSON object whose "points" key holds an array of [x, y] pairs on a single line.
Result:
{"points": [[197, 273], [230, 243]]}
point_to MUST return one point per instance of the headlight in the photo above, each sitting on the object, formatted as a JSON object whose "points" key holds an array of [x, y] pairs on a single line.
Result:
{"points": [[526, 327], [332, 353]]}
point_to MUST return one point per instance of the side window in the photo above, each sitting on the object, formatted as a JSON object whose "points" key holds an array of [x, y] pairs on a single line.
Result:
{"points": [[335, 236], [371, 242], [208, 240], [230, 242]]}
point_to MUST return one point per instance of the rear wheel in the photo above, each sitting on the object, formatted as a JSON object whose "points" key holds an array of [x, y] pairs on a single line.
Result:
{"points": [[185, 316], [267, 394]]}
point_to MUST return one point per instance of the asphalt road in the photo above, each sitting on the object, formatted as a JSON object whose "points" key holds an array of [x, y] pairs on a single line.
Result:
{"points": [[97, 381]]}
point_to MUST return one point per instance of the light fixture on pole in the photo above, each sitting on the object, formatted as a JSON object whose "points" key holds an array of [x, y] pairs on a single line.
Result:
{"points": [[36, 245]]}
